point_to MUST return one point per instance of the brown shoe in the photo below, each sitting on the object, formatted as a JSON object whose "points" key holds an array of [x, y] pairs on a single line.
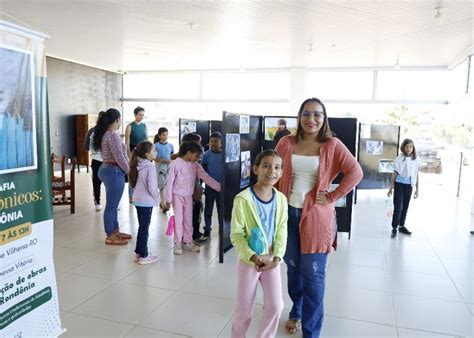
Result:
{"points": [[115, 240], [122, 235]]}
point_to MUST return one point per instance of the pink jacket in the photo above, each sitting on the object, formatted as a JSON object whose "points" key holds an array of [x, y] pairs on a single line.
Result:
{"points": [[146, 190], [182, 179], [317, 220]]}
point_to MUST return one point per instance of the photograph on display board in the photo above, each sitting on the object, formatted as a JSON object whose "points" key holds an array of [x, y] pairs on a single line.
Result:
{"points": [[232, 148], [276, 128], [245, 169], [17, 112], [244, 126], [374, 147], [365, 130], [386, 166], [340, 203], [188, 127]]}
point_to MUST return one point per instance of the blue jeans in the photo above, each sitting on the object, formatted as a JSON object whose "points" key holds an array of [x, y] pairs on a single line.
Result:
{"points": [[211, 196], [144, 217], [306, 280], [401, 201], [113, 178]]}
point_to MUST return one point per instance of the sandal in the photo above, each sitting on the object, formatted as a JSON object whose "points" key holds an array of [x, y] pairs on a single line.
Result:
{"points": [[122, 235], [115, 240], [292, 326]]}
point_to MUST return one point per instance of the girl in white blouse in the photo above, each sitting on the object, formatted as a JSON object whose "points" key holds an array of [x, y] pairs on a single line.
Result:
{"points": [[405, 176]]}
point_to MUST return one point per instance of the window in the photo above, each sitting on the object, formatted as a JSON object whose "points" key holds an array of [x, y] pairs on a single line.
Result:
{"points": [[413, 85], [246, 86], [340, 85], [162, 85]]}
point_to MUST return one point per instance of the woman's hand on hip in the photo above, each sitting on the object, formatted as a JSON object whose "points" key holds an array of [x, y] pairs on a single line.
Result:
{"points": [[322, 198]]}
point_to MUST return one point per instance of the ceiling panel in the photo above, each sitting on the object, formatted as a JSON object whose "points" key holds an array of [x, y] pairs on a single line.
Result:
{"points": [[155, 35]]}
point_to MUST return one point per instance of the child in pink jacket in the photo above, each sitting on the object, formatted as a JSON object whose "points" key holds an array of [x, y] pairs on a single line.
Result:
{"points": [[179, 192], [145, 196]]}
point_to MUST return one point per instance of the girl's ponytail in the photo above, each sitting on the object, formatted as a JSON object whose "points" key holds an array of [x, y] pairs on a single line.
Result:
{"points": [[140, 151], [133, 174]]}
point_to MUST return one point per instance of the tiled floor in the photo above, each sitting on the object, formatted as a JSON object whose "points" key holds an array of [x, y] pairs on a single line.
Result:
{"points": [[418, 286]]}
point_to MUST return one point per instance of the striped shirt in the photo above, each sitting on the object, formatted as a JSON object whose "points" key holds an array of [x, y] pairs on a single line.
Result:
{"points": [[113, 149]]}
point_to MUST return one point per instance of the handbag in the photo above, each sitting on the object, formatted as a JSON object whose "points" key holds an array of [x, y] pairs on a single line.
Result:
{"points": [[170, 228]]}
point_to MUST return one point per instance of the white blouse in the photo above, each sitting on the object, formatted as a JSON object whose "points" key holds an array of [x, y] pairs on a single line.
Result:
{"points": [[305, 175], [407, 167]]}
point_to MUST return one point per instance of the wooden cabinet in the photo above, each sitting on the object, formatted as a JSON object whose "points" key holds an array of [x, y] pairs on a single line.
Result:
{"points": [[83, 124]]}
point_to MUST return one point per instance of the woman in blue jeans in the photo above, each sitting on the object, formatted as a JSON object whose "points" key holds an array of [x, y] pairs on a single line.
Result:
{"points": [[313, 159], [112, 172]]}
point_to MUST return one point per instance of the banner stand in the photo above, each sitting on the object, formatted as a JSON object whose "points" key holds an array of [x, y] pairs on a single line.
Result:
{"points": [[28, 295]]}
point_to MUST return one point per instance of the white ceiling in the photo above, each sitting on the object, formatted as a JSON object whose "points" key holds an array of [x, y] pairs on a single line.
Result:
{"points": [[209, 34]]}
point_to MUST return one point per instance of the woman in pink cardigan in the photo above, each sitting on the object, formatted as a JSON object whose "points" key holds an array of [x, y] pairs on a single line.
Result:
{"points": [[313, 159]]}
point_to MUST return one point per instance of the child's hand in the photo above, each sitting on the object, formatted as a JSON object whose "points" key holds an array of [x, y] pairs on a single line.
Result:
{"points": [[258, 261], [269, 264], [389, 194], [168, 205]]}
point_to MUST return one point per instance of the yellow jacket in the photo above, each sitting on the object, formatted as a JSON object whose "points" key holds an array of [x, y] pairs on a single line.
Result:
{"points": [[245, 218]]}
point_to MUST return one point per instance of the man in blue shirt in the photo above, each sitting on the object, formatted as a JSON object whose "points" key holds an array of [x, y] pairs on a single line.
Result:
{"points": [[212, 164]]}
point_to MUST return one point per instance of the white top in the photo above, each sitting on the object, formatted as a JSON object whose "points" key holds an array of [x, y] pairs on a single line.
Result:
{"points": [[407, 167], [305, 175], [95, 154]]}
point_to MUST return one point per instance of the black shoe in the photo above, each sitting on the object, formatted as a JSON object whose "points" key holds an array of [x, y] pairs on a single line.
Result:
{"points": [[404, 230], [394, 233], [472, 232]]}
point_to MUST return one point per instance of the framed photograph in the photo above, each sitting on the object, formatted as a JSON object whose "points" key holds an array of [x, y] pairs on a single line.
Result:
{"points": [[386, 166], [276, 128], [244, 126], [245, 168], [365, 130], [232, 147], [18, 148], [374, 147], [340, 203], [188, 127]]}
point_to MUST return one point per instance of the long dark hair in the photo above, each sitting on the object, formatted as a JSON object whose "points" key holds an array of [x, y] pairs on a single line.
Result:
{"points": [[103, 122], [324, 133], [140, 151], [193, 147], [402, 148]]}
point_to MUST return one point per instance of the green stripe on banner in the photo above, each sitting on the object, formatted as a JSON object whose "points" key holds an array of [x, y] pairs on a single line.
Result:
{"points": [[22, 308]]}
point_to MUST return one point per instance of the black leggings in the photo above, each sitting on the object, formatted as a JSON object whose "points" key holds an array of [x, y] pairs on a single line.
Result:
{"points": [[96, 182], [401, 201]]}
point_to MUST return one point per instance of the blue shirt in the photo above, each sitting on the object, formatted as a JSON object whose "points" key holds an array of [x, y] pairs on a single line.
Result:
{"points": [[164, 150], [267, 214], [402, 179], [212, 163]]}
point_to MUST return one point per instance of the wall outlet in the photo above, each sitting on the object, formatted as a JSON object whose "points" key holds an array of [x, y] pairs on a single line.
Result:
{"points": [[56, 133], [68, 161]]}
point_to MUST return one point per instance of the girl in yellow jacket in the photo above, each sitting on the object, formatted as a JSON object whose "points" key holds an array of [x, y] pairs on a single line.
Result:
{"points": [[258, 233]]}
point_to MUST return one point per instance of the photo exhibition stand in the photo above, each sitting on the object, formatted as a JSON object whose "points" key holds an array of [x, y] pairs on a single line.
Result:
{"points": [[202, 127], [377, 149]]}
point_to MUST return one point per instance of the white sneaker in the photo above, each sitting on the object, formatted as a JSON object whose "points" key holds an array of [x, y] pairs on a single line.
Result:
{"points": [[178, 249], [147, 260], [191, 247], [98, 207]]}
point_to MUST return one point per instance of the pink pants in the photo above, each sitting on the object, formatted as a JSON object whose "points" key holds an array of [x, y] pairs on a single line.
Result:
{"points": [[183, 217], [248, 279]]}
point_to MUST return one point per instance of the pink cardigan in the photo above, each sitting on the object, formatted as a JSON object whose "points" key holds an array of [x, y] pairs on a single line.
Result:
{"points": [[317, 220]]}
